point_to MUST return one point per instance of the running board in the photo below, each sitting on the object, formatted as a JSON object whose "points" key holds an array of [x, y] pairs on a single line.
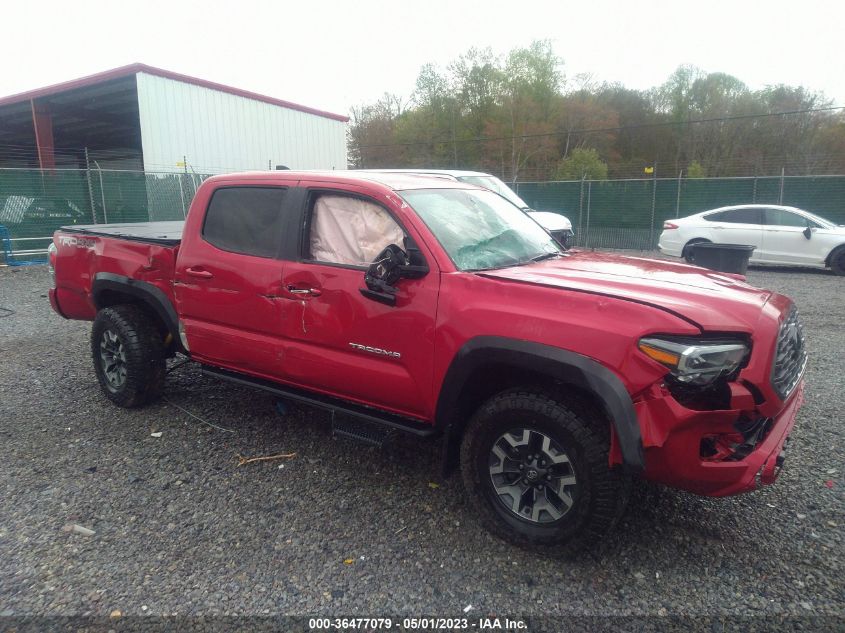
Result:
{"points": [[361, 430], [335, 405]]}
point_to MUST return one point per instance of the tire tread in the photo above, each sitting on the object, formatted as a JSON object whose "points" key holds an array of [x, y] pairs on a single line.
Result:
{"points": [[609, 489], [837, 260], [145, 354]]}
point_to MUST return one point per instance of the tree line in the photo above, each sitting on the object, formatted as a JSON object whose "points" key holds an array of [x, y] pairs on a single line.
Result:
{"points": [[520, 117]]}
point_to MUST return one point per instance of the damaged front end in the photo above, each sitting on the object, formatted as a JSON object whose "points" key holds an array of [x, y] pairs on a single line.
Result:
{"points": [[715, 452], [722, 433], [739, 445]]}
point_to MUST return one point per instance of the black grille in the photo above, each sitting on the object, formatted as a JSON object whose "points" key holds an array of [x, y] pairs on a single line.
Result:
{"points": [[791, 355]]}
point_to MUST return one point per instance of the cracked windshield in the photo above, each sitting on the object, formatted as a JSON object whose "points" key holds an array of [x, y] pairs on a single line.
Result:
{"points": [[480, 229]]}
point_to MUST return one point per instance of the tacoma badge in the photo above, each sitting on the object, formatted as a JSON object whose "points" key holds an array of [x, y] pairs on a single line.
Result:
{"points": [[376, 350]]}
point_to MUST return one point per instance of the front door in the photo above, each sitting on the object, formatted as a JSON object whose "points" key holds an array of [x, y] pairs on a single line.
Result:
{"points": [[229, 282], [340, 342], [784, 240]]}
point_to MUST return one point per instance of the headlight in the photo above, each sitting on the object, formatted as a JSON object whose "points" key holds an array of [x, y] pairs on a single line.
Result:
{"points": [[696, 362]]}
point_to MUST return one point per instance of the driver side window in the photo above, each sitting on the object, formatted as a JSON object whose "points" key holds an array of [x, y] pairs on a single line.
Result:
{"points": [[782, 217], [350, 231]]}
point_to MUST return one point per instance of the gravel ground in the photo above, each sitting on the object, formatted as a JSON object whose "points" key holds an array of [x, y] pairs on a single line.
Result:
{"points": [[346, 529]]}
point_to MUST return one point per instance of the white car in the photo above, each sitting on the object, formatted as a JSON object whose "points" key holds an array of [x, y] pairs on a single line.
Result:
{"points": [[556, 224], [780, 235]]}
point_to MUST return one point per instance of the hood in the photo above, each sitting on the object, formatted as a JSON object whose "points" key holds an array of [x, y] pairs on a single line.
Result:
{"points": [[551, 221], [711, 300]]}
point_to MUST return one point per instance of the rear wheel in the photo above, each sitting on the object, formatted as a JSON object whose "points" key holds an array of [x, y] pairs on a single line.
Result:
{"points": [[536, 472], [689, 253], [837, 261], [128, 355]]}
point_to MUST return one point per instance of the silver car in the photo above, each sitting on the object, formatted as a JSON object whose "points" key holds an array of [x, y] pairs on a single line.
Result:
{"points": [[556, 224]]}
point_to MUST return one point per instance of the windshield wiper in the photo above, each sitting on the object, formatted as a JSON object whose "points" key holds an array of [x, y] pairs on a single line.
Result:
{"points": [[540, 258]]}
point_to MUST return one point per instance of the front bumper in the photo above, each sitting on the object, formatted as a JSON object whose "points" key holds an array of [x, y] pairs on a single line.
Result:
{"points": [[673, 445]]}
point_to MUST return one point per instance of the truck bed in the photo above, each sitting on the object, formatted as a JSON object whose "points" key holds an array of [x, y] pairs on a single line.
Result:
{"points": [[164, 233], [137, 254]]}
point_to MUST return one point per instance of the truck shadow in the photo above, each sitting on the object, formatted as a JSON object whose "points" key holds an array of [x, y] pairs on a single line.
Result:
{"points": [[401, 483]]}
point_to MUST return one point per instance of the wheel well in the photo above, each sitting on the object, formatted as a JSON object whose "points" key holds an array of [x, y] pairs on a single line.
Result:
{"points": [[834, 250], [494, 378], [695, 240], [108, 297]]}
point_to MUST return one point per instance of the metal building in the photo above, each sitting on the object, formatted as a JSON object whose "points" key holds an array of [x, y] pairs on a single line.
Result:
{"points": [[142, 118]]}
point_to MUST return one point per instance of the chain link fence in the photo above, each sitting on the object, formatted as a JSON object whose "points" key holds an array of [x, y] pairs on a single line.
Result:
{"points": [[624, 214], [629, 214], [34, 203]]}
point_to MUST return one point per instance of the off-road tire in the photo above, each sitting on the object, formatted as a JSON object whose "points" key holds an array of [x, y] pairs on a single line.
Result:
{"points": [[837, 261], [601, 492], [142, 348], [687, 253]]}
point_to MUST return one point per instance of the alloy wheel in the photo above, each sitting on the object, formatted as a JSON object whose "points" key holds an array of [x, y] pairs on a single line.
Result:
{"points": [[113, 359], [532, 475]]}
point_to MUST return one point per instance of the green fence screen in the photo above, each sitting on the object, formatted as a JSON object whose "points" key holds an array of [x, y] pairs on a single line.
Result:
{"points": [[604, 214], [630, 213], [34, 203]]}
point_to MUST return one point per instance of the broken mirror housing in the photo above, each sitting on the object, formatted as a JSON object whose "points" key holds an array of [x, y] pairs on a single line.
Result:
{"points": [[696, 362]]}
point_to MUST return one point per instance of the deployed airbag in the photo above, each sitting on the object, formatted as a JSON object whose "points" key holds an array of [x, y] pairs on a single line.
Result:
{"points": [[346, 230]]}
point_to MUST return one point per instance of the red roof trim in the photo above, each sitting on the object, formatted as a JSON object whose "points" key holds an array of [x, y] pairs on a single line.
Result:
{"points": [[132, 69]]}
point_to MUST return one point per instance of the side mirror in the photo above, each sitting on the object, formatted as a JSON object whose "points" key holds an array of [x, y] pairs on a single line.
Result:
{"points": [[808, 232], [389, 267], [416, 266], [385, 271]]}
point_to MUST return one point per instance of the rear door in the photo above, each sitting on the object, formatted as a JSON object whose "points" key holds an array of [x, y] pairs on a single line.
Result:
{"points": [[340, 342], [784, 240], [228, 281], [738, 226]]}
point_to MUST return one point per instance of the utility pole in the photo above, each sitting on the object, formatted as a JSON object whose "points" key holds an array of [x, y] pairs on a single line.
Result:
{"points": [[90, 187], [581, 205], [653, 203], [678, 199], [102, 193], [589, 197]]}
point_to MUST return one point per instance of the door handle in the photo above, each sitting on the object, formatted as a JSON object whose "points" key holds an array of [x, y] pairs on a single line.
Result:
{"points": [[310, 292], [199, 272]]}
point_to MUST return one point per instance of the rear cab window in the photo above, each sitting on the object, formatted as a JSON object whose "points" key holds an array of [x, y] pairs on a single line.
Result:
{"points": [[245, 220]]}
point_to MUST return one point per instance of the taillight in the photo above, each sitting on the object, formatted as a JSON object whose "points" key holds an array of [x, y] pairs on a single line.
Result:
{"points": [[669, 225], [51, 260]]}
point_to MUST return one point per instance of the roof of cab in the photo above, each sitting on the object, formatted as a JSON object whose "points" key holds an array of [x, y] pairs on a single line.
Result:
{"points": [[453, 173], [397, 181]]}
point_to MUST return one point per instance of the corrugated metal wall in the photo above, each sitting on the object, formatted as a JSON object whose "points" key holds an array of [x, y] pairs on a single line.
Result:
{"points": [[219, 132]]}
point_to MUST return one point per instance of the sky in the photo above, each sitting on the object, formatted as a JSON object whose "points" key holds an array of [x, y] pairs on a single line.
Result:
{"points": [[334, 55]]}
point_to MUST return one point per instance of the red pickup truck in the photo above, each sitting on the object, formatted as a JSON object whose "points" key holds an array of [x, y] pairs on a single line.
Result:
{"points": [[440, 309]]}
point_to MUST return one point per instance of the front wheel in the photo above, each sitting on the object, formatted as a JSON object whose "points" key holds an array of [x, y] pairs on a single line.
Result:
{"points": [[128, 355], [837, 261], [536, 472]]}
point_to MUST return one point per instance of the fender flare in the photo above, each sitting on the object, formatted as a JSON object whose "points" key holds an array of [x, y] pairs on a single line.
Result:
{"points": [[146, 293], [569, 368]]}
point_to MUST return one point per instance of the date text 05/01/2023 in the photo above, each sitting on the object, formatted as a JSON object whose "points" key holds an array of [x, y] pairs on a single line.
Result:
{"points": [[417, 624]]}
